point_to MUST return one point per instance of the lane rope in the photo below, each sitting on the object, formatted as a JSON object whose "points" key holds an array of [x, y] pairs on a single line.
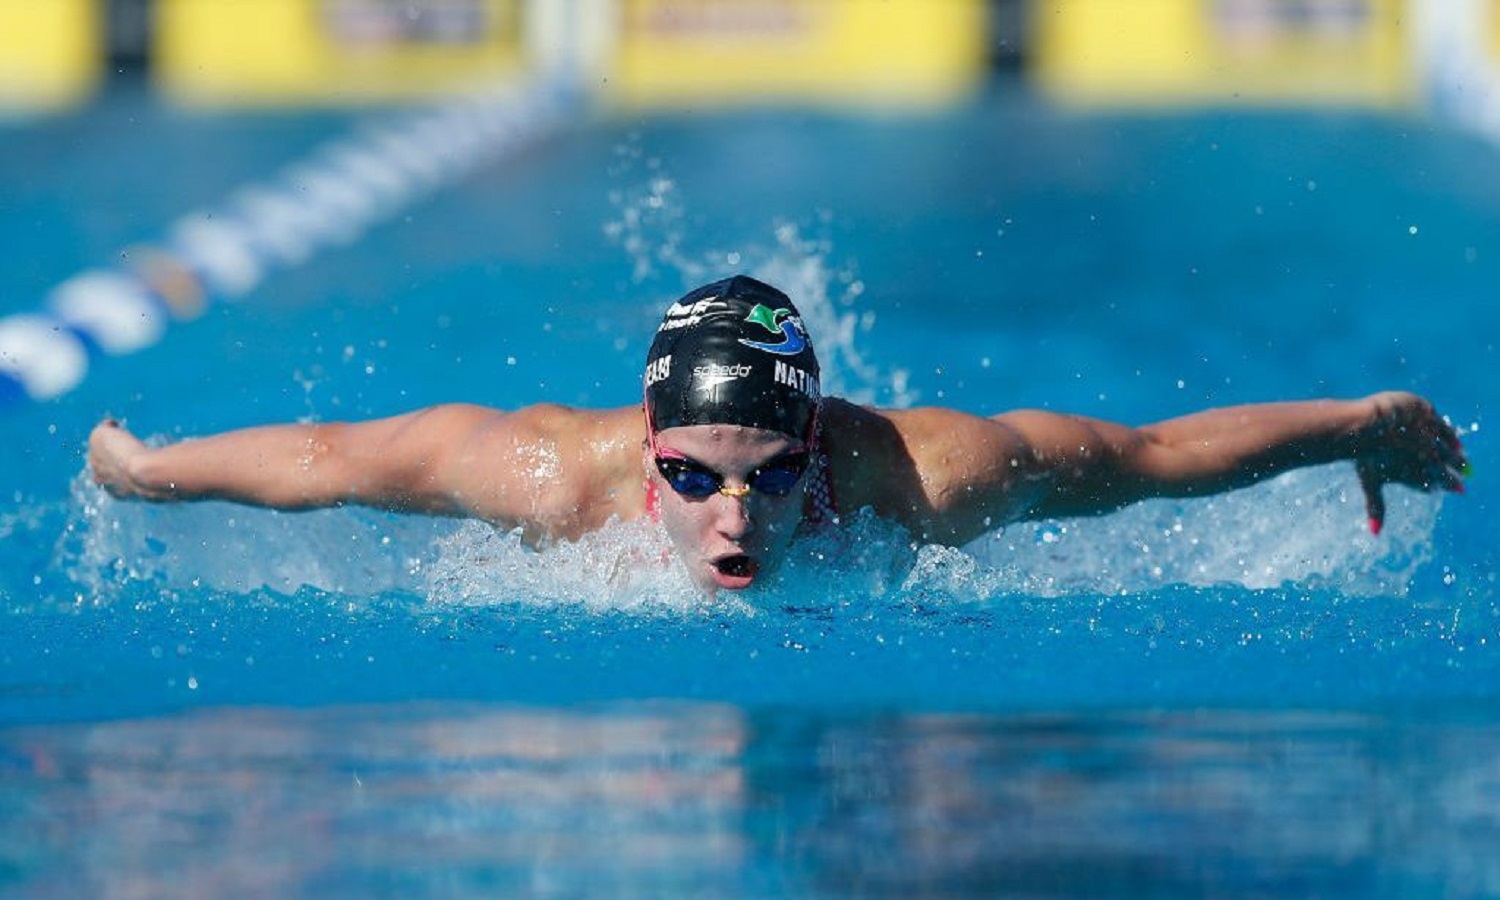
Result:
{"points": [[330, 197]]}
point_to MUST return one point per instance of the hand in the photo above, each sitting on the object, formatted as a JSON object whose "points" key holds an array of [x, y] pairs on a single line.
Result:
{"points": [[1406, 443], [111, 449]]}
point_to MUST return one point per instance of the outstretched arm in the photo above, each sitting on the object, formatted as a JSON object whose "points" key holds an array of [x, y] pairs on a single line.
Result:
{"points": [[529, 468], [974, 473], [1391, 437], [392, 463]]}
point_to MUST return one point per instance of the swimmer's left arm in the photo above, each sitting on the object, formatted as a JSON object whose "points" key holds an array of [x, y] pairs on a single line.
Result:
{"points": [[1096, 466]]}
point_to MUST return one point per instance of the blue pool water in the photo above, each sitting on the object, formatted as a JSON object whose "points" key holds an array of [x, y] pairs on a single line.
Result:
{"points": [[1243, 696]]}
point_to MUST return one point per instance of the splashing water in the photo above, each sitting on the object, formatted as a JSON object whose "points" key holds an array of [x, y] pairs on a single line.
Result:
{"points": [[828, 299], [1305, 527], [648, 227], [649, 215], [622, 567], [111, 545], [1302, 529]]}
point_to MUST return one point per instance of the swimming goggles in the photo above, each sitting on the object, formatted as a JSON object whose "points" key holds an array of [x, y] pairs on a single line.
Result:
{"points": [[690, 478]]}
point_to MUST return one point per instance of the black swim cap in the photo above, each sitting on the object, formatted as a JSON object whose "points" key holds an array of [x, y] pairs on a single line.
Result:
{"points": [[733, 352]]}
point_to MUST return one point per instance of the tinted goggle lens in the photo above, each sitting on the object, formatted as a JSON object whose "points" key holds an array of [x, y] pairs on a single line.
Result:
{"points": [[776, 481], [688, 479], [776, 478]]}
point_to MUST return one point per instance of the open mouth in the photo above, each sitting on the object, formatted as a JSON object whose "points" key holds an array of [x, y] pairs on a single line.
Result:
{"points": [[734, 572]]}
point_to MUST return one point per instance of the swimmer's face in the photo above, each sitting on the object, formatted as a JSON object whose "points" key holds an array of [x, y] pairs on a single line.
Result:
{"points": [[729, 537]]}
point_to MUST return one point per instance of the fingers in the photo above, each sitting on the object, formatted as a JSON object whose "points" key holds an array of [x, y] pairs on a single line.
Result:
{"points": [[1411, 445], [1446, 466], [104, 429], [1415, 446], [1369, 482], [1448, 444], [1452, 465], [110, 450]]}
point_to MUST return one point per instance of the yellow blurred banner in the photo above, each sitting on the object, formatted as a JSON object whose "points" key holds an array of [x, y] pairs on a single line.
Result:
{"points": [[1195, 51], [50, 52], [1490, 30], [638, 52], [332, 51], [678, 52]]}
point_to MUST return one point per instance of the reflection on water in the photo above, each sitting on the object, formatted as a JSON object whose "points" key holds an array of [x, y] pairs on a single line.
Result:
{"points": [[1274, 805], [359, 800], [705, 800]]}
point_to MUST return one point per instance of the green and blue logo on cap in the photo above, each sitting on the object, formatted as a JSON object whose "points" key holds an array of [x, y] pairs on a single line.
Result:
{"points": [[777, 321]]}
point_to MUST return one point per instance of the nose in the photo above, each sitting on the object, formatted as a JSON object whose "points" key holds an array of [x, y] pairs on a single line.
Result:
{"points": [[732, 516]]}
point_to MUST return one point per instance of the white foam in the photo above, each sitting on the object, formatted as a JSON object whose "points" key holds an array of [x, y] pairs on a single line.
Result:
{"points": [[111, 547], [1303, 529], [622, 567], [1307, 527], [221, 547]]}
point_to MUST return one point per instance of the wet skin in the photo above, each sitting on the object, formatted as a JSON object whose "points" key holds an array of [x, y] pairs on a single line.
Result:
{"points": [[725, 541]]}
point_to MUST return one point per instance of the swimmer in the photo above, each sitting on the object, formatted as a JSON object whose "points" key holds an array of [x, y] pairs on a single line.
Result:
{"points": [[735, 449]]}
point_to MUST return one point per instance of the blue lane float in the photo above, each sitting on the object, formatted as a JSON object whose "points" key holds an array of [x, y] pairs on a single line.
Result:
{"points": [[330, 198]]}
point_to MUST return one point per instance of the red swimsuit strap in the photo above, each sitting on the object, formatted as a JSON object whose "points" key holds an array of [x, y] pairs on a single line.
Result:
{"points": [[653, 501]]}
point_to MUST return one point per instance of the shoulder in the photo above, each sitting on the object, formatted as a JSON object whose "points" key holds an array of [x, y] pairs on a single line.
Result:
{"points": [[572, 469], [563, 440], [551, 423], [933, 469], [877, 455], [866, 431]]}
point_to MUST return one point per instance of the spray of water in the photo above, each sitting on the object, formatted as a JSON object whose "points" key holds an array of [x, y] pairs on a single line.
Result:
{"points": [[112, 548], [624, 567], [648, 226], [1304, 528]]}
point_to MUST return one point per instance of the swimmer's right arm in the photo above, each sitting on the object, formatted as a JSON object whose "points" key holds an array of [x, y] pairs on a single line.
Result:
{"points": [[401, 463]]}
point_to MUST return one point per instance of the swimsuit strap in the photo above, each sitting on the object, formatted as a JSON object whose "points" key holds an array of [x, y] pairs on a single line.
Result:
{"points": [[653, 501], [822, 507]]}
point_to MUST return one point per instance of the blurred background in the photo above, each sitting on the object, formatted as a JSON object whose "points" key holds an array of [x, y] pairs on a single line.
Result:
{"points": [[60, 53], [197, 95]]}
